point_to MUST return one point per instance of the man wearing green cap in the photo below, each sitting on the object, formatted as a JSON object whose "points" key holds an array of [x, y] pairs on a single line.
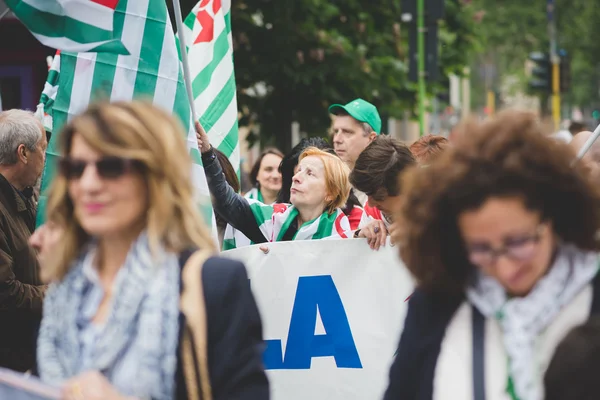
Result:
{"points": [[355, 125]]}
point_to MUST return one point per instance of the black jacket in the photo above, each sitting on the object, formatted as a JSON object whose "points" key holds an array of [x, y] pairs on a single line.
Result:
{"points": [[21, 291], [235, 345], [230, 206]]}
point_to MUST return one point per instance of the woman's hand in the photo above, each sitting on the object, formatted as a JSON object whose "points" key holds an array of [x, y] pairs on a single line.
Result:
{"points": [[376, 234], [90, 385], [202, 138]]}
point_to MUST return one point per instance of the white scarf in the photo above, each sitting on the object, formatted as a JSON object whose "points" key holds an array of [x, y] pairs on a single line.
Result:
{"points": [[522, 319]]}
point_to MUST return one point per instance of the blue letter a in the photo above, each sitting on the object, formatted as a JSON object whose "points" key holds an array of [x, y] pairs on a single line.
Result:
{"points": [[317, 292]]}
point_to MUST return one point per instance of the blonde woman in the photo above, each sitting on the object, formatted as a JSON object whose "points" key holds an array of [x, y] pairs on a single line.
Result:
{"points": [[319, 188], [113, 325]]}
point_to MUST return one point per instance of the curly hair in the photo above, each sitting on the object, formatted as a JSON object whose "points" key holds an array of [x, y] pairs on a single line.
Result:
{"points": [[503, 157]]}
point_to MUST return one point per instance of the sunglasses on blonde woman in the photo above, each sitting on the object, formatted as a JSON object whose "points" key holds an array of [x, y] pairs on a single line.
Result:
{"points": [[106, 167]]}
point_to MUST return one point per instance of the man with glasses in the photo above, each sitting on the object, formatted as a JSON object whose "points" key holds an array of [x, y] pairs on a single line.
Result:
{"points": [[22, 154]]}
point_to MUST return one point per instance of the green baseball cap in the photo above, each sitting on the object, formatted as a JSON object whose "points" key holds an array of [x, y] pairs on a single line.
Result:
{"points": [[362, 111]]}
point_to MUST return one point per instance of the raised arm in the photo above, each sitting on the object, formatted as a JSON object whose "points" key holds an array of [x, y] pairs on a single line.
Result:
{"points": [[231, 206]]}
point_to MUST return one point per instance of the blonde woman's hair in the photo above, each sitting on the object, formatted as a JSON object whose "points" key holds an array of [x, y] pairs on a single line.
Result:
{"points": [[336, 177], [142, 132]]}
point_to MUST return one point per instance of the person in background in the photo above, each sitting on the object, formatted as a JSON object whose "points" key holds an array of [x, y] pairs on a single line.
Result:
{"points": [[354, 126], [591, 159], [572, 373], [428, 148], [122, 317], [376, 174], [265, 177], [576, 127], [289, 167], [232, 180], [43, 240], [320, 187], [501, 237], [22, 156]]}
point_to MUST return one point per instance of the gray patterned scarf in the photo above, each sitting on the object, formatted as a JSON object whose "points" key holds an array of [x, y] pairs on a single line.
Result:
{"points": [[137, 345], [523, 319]]}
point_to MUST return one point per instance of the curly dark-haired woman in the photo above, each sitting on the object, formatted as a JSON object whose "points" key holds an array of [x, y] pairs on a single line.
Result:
{"points": [[501, 238]]}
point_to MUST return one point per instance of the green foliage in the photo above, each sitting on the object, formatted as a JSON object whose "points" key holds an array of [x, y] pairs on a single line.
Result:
{"points": [[307, 54], [511, 29]]}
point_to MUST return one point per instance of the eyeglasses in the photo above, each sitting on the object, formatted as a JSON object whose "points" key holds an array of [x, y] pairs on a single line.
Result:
{"points": [[521, 249], [106, 167]]}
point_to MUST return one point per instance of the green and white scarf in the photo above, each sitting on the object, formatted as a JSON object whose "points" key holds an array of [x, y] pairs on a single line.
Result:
{"points": [[274, 221], [523, 319], [254, 194]]}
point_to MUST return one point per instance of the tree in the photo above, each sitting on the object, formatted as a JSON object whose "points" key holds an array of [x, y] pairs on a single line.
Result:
{"points": [[307, 54], [511, 29]]}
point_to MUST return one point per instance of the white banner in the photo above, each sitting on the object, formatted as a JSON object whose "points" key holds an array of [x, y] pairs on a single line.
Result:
{"points": [[332, 313]]}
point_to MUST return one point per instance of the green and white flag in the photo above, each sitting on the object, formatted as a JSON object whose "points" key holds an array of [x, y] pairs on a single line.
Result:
{"points": [[75, 25], [151, 72], [44, 108], [207, 33], [274, 221]]}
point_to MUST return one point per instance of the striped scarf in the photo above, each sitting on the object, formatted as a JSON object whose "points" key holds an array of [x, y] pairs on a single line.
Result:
{"points": [[255, 194], [274, 221]]}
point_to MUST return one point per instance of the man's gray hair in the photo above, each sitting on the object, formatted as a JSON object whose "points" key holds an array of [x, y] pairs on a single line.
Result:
{"points": [[18, 127], [367, 129]]}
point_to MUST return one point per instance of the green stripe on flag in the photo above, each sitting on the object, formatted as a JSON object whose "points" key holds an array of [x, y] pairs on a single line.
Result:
{"points": [[219, 105], [103, 80], [228, 22], [150, 59], [202, 80], [57, 26], [230, 141], [325, 226], [189, 21]]}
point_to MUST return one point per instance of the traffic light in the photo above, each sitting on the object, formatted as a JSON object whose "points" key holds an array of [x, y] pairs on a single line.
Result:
{"points": [[565, 74], [541, 74]]}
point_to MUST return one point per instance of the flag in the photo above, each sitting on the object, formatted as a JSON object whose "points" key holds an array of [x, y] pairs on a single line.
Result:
{"points": [[74, 25], [44, 108], [151, 72], [207, 33]]}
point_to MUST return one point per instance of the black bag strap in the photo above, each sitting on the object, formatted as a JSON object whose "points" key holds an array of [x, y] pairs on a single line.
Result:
{"points": [[478, 323]]}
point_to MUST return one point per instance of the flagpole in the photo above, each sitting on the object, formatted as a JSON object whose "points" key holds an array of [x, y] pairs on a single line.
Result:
{"points": [[4, 13], [184, 58], [588, 144]]}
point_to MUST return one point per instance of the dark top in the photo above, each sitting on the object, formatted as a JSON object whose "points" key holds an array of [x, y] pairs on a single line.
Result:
{"points": [[235, 344], [21, 291], [231, 206], [413, 370]]}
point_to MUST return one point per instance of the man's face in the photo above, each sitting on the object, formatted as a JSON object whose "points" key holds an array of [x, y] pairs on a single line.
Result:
{"points": [[35, 162], [388, 205], [349, 139]]}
